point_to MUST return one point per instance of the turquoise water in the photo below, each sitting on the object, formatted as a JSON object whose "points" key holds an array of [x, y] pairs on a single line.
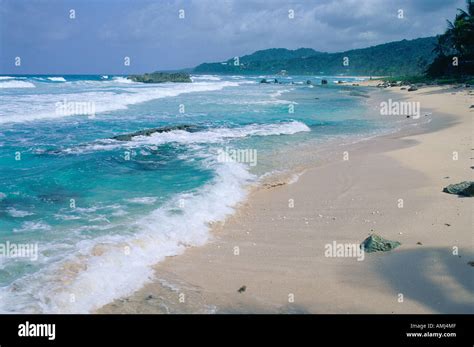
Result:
{"points": [[103, 211]]}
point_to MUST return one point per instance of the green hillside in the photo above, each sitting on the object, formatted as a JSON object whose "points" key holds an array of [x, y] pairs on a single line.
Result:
{"points": [[406, 57]]}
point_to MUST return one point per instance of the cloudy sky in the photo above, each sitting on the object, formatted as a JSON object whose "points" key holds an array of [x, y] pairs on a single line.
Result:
{"points": [[95, 36]]}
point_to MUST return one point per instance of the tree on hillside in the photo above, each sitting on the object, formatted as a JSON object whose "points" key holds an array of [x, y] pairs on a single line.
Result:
{"points": [[455, 48]]}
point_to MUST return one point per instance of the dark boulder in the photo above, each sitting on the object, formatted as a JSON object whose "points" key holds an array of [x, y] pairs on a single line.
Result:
{"points": [[149, 132], [465, 188], [376, 243]]}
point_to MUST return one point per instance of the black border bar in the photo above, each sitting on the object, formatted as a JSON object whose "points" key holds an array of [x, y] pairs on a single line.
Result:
{"points": [[323, 330]]}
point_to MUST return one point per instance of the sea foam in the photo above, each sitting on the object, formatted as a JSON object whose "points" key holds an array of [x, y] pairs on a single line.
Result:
{"points": [[208, 136], [16, 84], [57, 79], [20, 108], [115, 266]]}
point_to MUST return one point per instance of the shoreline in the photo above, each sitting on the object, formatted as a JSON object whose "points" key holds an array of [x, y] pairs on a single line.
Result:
{"points": [[281, 260]]}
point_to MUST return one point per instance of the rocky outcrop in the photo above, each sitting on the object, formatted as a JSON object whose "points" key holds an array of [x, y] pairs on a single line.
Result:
{"points": [[266, 81], [161, 77], [149, 132]]}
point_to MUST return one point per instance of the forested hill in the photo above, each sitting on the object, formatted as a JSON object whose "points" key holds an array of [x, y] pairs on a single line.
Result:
{"points": [[406, 57]]}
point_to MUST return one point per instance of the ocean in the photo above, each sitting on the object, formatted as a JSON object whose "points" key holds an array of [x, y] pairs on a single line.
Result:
{"points": [[102, 211]]}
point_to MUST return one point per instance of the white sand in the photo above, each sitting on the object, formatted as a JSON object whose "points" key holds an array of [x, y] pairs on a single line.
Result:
{"points": [[282, 249]]}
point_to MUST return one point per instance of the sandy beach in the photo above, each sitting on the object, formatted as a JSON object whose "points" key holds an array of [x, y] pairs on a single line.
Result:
{"points": [[269, 257]]}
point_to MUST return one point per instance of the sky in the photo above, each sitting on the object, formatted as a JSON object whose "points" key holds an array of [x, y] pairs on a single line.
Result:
{"points": [[97, 36]]}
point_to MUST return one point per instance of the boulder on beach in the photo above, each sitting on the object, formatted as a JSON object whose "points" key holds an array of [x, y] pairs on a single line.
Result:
{"points": [[412, 89], [376, 243], [465, 188]]}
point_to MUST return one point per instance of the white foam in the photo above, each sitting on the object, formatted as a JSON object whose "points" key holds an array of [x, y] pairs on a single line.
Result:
{"points": [[18, 213], [123, 80], [6, 78], [213, 135], [114, 266], [66, 217], [146, 200], [24, 108], [295, 177], [216, 135], [205, 78], [32, 226], [57, 79], [16, 84], [280, 92]]}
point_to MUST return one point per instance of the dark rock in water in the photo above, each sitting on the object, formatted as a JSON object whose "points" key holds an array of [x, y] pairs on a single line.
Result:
{"points": [[148, 132], [376, 243], [359, 94], [419, 243], [470, 263], [465, 188], [309, 82], [264, 80], [324, 82], [161, 77], [242, 289], [412, 89]]}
